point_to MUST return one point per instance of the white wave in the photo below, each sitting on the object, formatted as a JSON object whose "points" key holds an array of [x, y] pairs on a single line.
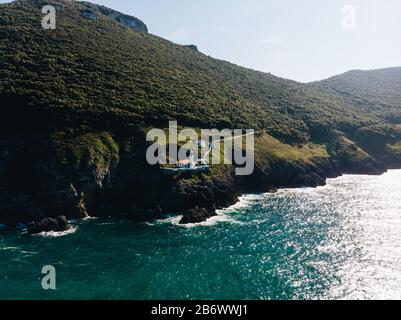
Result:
{"points": [[90, 218], [244, 202], [29, 253], [57, 234], [175, 220], [170, 220], [220, 217], [9, 248], [71, 221]]}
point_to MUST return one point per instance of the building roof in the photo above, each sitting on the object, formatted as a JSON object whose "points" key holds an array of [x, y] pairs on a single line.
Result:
{"points": [[186, 161]]}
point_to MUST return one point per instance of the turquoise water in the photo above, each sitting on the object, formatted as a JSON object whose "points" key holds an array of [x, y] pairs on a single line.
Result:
{"points": [[340, 241]]}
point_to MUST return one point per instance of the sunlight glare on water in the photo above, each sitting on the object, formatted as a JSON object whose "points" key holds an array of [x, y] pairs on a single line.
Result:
{"points": [[340, 241]]}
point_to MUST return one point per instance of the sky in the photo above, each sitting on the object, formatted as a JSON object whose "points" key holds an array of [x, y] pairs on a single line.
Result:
{"points": [[303, 40]]}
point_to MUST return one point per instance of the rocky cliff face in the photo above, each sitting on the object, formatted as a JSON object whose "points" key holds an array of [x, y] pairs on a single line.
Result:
{"points": [[73, 123], [100, 174], [93, 12]]}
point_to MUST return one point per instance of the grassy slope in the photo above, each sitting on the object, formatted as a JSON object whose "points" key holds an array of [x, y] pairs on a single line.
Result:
{"points": [[92, 89], [105, 69], [375, 91]]}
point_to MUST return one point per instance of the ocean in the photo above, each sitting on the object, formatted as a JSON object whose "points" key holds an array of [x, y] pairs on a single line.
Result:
{"points": [[340, 241]]}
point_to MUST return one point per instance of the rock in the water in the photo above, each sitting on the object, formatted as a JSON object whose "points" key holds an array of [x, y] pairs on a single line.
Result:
{"points": [[196, 215], [49, 224]]}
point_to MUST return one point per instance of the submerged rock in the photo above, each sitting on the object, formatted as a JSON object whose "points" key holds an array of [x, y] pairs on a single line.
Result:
{"points": [[196, 215], [49, 224]]}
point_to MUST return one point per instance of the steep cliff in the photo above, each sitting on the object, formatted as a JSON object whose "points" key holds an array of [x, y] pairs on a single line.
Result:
{"points": [[76, 103]]}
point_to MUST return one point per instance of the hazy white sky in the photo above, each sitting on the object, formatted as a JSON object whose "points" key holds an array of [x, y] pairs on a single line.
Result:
{"points": [[302, 40]]}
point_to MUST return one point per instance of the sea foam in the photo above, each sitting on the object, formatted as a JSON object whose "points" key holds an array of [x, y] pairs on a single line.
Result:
{"points": [[57, 234], [222, 216]]}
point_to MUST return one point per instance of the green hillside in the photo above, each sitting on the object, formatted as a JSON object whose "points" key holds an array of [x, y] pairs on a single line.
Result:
{"points": [[76, 102], [92, 69], [375, 91]]}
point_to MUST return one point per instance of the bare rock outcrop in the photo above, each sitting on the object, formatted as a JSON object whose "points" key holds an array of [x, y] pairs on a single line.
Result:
{"points": [[49, 224], [93, 12]]}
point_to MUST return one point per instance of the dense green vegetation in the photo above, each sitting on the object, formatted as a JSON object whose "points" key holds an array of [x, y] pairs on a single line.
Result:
{"points": [[99, 149], [105, 73], [376, 91], [76, 102]]}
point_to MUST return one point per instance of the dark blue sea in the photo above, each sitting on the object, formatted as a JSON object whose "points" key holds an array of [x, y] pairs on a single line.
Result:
{"points": [[340, 241]]}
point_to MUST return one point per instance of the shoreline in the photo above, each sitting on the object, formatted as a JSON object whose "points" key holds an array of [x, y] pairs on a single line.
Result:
{"points": [[175, 218]]}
